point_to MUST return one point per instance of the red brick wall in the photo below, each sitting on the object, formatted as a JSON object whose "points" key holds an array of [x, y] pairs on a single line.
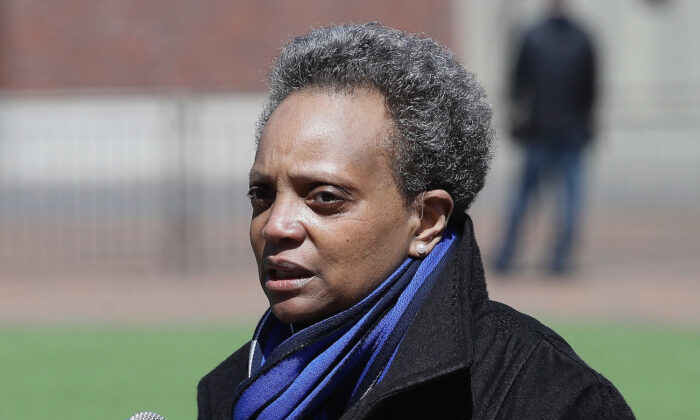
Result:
{"points": [[196, 44]]}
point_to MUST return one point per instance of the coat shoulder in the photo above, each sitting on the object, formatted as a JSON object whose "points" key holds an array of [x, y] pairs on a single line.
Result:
{"points": [[534, 371], [215, 390]]}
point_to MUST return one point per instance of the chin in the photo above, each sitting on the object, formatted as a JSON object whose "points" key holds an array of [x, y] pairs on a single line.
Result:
{"points": [[292, 313], [286, 313]]}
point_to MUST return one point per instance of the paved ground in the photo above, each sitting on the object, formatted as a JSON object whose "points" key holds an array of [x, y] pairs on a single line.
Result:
{"points": [[626, 272], [645, 294], [626, 294]]}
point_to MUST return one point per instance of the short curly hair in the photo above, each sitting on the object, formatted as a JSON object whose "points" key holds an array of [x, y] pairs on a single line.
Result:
{"points": [[443, 133]]}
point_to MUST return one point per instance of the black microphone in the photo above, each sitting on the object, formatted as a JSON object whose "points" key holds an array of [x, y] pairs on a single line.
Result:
{"points": [[147, 415]]}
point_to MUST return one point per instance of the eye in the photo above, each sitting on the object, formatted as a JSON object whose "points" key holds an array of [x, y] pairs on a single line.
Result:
{"points": [[326, 199], [260, 197]]}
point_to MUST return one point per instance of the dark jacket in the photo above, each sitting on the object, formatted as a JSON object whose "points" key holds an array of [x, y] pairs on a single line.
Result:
{"points": [[464, 356], [553, 85]]}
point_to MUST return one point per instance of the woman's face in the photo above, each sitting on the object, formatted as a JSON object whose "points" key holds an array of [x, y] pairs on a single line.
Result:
{"points": [[329, 223]]}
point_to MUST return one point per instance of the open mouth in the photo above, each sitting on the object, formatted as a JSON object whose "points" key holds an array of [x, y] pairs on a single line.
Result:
{"points": [[286, 276], [277, 274]]}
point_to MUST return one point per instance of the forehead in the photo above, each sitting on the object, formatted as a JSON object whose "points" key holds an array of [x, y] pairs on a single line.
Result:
{"points": [[327, 128]]}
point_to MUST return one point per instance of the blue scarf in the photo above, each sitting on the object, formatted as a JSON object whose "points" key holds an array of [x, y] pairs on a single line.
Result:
{"points": [[322, 370]]}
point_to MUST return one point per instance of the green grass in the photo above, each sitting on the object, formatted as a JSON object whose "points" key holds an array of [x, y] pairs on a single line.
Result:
{"points": [[113, 372], [108, 373]]}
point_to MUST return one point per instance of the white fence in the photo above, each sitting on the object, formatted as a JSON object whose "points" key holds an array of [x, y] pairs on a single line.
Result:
{"points": [[154, 184]]}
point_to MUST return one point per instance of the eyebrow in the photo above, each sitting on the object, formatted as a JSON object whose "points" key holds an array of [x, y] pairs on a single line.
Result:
{"points": [[257, 176], [308, 176]]}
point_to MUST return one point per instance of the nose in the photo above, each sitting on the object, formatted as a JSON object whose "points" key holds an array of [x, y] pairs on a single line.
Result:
{"points": [[284, 223]]}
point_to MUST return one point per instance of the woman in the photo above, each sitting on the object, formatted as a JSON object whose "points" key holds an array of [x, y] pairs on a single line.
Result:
{"points": [[371, 148]]}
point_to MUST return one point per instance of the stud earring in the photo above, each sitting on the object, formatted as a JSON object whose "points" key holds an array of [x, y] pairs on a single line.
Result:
{"points": [[421, 249]]}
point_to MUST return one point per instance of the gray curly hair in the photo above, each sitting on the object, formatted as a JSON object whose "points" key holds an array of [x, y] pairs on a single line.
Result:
{"points": [[443, 134]]}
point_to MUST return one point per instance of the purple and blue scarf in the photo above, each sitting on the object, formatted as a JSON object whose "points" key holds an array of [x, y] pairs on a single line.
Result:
{"points": [[320, 371]]}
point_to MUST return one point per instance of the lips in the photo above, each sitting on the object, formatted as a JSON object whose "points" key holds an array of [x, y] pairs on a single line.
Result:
{"points": [[285, 275]]}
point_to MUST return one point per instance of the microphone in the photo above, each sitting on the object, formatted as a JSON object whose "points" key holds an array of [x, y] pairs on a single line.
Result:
{"points": [[147, 415]]}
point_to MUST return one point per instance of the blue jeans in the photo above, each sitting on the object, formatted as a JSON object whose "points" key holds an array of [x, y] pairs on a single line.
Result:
{"points": [[563, 167]]}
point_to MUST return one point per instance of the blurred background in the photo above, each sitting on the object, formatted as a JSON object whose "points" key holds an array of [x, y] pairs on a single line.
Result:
{"points": [[126, 135]]}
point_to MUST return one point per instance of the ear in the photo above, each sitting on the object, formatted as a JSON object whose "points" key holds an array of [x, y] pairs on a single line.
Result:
{"points": [[435, 208]]}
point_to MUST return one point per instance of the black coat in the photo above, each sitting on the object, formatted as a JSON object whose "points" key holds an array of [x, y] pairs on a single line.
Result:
{"points": [[464, 356]]}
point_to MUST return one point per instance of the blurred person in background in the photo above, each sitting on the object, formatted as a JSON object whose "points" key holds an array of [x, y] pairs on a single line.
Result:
{"points": [[552, 95], [371, 148]]}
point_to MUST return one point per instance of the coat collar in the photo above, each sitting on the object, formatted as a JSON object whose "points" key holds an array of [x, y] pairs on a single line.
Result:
{"points": [[439, 341]]}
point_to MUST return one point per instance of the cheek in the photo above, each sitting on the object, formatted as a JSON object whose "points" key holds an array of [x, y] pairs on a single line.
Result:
{"points": [[337, 243], [256, 239], [369, 250]]}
